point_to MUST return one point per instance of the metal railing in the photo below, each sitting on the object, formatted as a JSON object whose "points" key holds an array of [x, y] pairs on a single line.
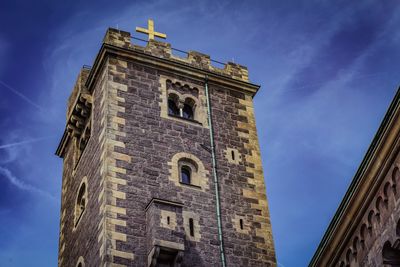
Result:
{"points": [[179, 50]]}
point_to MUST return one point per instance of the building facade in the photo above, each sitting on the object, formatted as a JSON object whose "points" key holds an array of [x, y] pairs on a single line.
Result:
{"points": [[162, 163], [365, 230]]}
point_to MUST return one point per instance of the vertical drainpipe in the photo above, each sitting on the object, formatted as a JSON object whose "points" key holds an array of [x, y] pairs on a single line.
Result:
{"points": [[214, 172]]}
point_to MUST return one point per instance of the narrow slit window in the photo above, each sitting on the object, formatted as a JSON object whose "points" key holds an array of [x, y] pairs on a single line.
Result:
{"points": [[233, 155], [168, 220], [191, 227], [241, 224]]}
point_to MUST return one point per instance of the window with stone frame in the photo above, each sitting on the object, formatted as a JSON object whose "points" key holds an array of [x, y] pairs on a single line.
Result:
{"points": [[182, 101], [81, 262], [188, 172], [81, 202]]}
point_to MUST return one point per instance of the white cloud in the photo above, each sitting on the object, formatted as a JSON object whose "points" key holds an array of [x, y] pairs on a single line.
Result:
{"points": [[20, 184]]}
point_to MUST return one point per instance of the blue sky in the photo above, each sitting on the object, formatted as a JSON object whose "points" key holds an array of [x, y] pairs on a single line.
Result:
{"points": [[328, 71]]}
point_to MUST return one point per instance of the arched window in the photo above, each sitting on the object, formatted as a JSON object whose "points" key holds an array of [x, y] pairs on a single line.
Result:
{"points": [[179, 107], [172, 107], [81, 201], [186, 173], [391, 254], [188, 170], [187, 112], [81, 262]]}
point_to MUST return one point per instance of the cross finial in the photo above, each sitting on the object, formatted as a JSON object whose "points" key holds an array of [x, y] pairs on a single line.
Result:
{"points": [[150, 31]]}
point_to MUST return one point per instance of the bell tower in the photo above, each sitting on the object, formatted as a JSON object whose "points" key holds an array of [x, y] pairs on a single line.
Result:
{"points": [[161, 160]]}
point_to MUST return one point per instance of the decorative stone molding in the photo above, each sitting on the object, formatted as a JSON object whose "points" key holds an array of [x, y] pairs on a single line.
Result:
{"points": [[375, 220], [200, 111]]}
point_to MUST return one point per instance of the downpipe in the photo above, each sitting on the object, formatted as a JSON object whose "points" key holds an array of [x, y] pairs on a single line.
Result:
{"points": [[215, 175]]}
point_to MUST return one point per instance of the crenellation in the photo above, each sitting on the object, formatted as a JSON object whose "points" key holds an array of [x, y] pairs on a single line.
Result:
{"points": [[163, 50]]}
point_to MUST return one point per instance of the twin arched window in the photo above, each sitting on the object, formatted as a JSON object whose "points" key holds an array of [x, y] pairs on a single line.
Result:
{"points": [[181, 109]]}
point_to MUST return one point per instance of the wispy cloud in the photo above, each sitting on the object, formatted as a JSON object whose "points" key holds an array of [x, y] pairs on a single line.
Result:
{"points": [[25, 142], [20, 184], [21, 95]]}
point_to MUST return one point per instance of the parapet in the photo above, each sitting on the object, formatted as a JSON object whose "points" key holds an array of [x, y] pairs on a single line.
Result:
{"points": [[159, 49]]}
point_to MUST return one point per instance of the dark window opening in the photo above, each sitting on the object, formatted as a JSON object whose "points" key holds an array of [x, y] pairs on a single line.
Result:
{"points": [[172, 108], [233, 155], [80, 265], [168, 220], [80, 203], [391, 254], [241, 224], [185, 175], [398, 228], [187, 112], [191, 227]]}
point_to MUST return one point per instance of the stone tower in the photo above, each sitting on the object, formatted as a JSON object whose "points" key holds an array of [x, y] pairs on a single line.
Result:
{"points": [[149, 178]]}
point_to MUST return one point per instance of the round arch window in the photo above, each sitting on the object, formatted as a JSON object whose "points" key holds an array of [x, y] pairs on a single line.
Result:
{"points": [[186, 174], [187, 112], [172, 107]]}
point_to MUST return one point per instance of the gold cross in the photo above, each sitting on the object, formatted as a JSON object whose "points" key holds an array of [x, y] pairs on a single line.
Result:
{"points": [[150, 31]]}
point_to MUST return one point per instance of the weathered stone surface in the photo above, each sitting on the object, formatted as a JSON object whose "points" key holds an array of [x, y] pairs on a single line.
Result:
{"points": [[133, 157]]}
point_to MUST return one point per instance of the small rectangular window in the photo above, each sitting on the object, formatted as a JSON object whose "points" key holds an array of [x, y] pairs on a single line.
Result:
{"points": [[191, 227]]}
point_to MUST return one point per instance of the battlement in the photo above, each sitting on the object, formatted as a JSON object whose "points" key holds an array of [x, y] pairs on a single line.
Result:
{"points": [[164, 50]]}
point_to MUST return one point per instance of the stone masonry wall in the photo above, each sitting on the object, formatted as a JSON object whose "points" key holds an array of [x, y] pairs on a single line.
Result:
{"points": [[243, 192], [152, 141], [82, 240], [132, 158]]}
